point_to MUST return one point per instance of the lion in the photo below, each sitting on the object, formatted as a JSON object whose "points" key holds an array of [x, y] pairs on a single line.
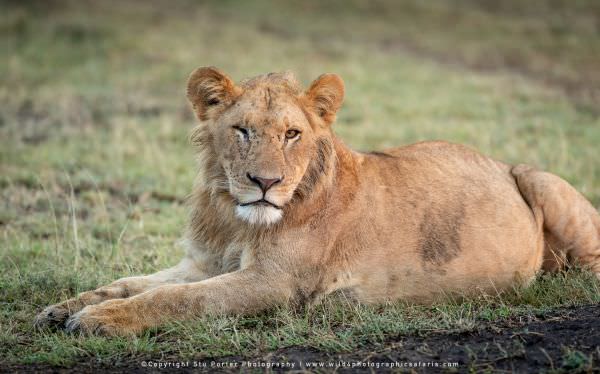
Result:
{"points": [[284, 213]]}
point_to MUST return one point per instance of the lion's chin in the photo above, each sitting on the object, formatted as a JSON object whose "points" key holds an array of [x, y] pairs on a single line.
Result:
{"points": [[259, 214]]}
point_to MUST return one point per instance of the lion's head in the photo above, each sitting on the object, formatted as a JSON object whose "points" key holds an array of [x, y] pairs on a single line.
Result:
{"points": [[264, 141]]}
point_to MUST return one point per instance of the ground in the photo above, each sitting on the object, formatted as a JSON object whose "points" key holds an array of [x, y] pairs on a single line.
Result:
{"points": [[95, 163], [563, 340]]}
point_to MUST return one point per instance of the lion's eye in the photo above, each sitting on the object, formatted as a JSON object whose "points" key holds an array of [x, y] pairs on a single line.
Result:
{"points": [[291, 134], [242, 131]]}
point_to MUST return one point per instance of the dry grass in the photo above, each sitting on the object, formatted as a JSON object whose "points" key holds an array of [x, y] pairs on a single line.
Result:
{"points": [[94, 159]]}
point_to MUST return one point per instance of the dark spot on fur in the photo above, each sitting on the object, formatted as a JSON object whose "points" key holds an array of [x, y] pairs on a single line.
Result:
{"points": [[304, 296], [212, 101], [317, 168], [381, 154], [392, 282], [101, 293], [268, 98], [126, 292], [309, 291], [440, 234], [324, 150]]}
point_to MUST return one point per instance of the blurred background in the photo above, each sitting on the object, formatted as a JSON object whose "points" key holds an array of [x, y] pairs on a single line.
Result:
{"points": [[95, 163], [94, 121]]}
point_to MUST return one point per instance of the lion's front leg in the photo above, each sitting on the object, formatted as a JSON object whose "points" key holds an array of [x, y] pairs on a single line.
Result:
{"points": [[56, 315], [240, 292]]}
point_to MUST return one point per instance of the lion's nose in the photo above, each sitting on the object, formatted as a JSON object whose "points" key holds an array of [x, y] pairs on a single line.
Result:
{"points": [[264, 183]]}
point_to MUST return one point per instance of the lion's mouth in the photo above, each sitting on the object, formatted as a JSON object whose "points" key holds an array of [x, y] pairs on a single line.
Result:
{"points": [[260, 202]]}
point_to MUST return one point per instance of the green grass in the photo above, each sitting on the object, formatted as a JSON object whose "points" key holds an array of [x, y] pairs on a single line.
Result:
{"points": [[95, 162]]}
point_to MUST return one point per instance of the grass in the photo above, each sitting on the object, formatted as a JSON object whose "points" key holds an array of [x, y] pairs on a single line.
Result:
{"points": [[95, 162]]}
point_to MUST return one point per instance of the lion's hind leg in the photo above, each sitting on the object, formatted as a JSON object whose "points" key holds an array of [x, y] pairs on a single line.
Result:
{"points": [[571, 224]]}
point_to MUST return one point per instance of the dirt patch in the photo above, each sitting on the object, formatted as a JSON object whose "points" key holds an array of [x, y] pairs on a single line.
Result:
{"points": [[564, 340]]}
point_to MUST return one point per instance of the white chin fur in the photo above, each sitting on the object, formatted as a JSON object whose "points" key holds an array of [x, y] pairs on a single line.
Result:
{"points": [[262, 215]]}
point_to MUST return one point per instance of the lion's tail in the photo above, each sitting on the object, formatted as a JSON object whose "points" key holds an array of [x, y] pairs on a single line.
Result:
{"points": [[571, 224]]}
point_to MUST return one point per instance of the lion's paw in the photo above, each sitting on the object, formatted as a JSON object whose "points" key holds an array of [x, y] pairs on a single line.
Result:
{"points": [[102, 319], [51, 317]]}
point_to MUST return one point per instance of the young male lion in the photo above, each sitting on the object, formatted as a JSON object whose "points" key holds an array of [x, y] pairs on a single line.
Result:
{"points": [[283, 211]]}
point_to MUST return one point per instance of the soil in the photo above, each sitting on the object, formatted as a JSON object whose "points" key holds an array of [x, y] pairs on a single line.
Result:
{"points": [[563, 340]]}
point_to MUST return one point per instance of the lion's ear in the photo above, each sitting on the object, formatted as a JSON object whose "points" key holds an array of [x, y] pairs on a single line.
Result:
{"points": [[210, 91], [325, 95]]}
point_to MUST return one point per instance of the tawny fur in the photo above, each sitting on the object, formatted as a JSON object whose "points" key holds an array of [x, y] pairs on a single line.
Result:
{"points": [[415, 223]]}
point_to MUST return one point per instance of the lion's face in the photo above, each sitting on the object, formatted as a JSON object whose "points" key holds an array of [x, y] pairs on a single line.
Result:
{"points": [[264, 149], [265, 134]]}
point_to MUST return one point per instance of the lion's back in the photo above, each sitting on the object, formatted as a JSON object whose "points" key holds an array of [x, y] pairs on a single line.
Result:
{"points": [[439, 166]]}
